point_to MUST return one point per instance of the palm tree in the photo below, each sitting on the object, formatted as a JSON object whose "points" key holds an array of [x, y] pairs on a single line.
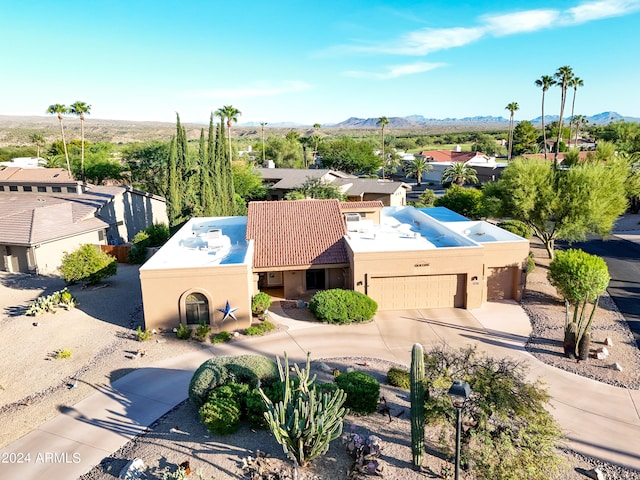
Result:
{"points": [[230, 114], [574, 82], [578, 121], [562, 77], [512, 107], [544, 82], [459, 173], [79, 109], [59, 110], [38, 140], [417, 167], [382, 122], [262, 125]]}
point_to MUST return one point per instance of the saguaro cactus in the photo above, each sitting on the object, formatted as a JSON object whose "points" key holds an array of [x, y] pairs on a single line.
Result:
{"points": [[417, 404]]}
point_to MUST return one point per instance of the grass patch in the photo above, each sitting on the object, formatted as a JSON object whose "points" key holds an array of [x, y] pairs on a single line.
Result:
{"points": [[221, 337], [260, 328]]}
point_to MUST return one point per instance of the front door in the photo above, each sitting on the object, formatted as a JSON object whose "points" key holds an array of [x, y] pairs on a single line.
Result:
{"points": [[315, 279]]}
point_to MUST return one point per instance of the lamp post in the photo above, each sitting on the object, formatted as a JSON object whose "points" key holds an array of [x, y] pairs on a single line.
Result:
{"points": [[459, 393]]}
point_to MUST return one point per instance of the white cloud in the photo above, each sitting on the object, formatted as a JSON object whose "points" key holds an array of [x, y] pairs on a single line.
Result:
{"points": [[525, 21], [395, 71], [590, 11], [258, 89], [428, 40]]}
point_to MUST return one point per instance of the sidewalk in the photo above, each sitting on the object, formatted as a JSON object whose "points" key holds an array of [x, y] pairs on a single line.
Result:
{"points": [[600, 420]]}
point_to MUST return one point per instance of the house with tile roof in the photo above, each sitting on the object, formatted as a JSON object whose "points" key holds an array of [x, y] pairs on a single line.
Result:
{"points": [[486, 167], [44, 212], [281, 181], [402, 257]]}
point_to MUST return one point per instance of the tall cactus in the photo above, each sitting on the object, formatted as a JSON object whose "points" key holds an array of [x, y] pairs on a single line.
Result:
{"points": [[305, 421], [417, 404]]}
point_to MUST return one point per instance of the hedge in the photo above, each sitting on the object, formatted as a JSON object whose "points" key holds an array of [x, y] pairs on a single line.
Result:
{"points": [[342, 306]]}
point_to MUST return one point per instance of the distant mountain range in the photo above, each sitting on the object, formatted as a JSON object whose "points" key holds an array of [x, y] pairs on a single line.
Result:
{"points": [[419, 121]]}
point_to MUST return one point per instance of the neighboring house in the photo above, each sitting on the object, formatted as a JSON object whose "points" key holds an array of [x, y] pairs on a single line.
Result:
{"points": [[402, 257], [25, 162], [486, 167], [44, 212], [390, 193], [283, 180], [582, 156]]}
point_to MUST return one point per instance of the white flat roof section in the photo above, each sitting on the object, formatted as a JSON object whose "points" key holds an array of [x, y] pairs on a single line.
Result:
{"points": [[484, 232], [204, 242]]}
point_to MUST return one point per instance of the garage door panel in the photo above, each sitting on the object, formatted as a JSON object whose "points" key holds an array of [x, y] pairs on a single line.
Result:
{"points": [[417, 291]]}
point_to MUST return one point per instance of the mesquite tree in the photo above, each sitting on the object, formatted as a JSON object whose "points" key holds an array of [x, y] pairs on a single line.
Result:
{"points": [[580, 278], [305, 421]]}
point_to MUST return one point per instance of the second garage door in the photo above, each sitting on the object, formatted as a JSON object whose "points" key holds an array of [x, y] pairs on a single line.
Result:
{"points": [[417, 291]]}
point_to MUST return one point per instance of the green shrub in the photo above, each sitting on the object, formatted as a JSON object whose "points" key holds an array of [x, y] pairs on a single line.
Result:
{"points": [[260, 303], [218, 371], [153, 236], [517, 228], [363, 391], [342, 306], [531, 264], [87, 264], [49, 303], [221, 412], [183, 332], [158, 234], [63, 353], [202, 331], [142, 335], [221, 337], [260, 328], [399, 377]]}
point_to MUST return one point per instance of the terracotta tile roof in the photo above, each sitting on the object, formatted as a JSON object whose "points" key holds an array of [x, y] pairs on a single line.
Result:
{"points": [[356, 205], [296, 233], [449, 155], [35, 175]]}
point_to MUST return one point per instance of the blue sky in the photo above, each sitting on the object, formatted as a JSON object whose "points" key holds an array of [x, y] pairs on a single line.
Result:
{"points": [[311, 62]]}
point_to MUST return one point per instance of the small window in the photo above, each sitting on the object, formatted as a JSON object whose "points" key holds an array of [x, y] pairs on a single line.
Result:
{"points": [[42, 189], [27, 188], [13, 188], [1, 188], [72, 190], [100, 235], [197, 309], [56, 189]]}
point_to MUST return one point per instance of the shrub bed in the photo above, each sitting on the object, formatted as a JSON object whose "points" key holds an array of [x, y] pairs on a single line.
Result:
{"points": [[397, 377], [342, 306], [260, 328], [363, 391]]}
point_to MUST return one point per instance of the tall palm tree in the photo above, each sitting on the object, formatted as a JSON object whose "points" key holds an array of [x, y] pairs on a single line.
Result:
{"points": [[382, 122], [544, 82], [459, 173], [578, 121], [418, 167], [316, 138], [59, 110], [262, 125], [38, 140], [512, 107], [230, 114], [80, 109], [562, 77], [574, 82]]}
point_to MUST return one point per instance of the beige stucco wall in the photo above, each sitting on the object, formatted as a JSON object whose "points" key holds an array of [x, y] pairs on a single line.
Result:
{"points": [[48, 256], [396, 199], [131, 212], [507, 254], [164, 291]]}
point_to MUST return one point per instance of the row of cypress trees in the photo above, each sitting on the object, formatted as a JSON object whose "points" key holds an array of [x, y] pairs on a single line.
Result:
{"points": [[202, 186]]}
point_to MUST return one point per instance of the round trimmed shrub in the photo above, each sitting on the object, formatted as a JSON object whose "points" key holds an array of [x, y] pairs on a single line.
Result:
{"points": [[342, 306], [221, 412], [517, 228], [260, 303], [87, 264], [218, 371], [363, 391], [397, 377]]}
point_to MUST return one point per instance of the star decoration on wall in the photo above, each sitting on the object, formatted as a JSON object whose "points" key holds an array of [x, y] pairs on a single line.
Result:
{"points": [[228, 312]]}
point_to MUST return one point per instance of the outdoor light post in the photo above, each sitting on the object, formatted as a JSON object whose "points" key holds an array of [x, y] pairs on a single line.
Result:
{"points": [[459, 393]]}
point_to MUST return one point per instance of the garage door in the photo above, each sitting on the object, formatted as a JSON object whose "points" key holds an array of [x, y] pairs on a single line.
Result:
{"points": [[500, 283], [417, 291]]}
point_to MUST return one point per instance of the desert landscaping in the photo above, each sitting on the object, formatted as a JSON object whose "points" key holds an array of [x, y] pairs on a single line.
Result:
{"points": [[100, 334]]}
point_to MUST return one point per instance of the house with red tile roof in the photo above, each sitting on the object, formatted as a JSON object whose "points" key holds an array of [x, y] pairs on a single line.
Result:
{"points": [[44, 212], [402, 257]]}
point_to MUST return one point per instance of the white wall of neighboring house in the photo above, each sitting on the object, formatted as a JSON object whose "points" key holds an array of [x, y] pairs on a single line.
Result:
{"points": [[48, 256]]}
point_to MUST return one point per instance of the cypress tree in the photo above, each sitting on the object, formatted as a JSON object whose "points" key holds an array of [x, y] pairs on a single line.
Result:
{"points": [[214, 170], [174, 197], [205, 193]]}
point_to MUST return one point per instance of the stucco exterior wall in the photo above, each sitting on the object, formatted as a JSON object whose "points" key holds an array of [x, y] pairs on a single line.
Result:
{"points": [[48, 256], [511, 254], [131, 212], [164, 292]]}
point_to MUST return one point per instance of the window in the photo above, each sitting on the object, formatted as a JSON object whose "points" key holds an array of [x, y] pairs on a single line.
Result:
{"points": [[315, 279], [1, 188], [13, 188], [56, 189], [72, 190], [42, 189], [196, 309], [27, 188]]}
